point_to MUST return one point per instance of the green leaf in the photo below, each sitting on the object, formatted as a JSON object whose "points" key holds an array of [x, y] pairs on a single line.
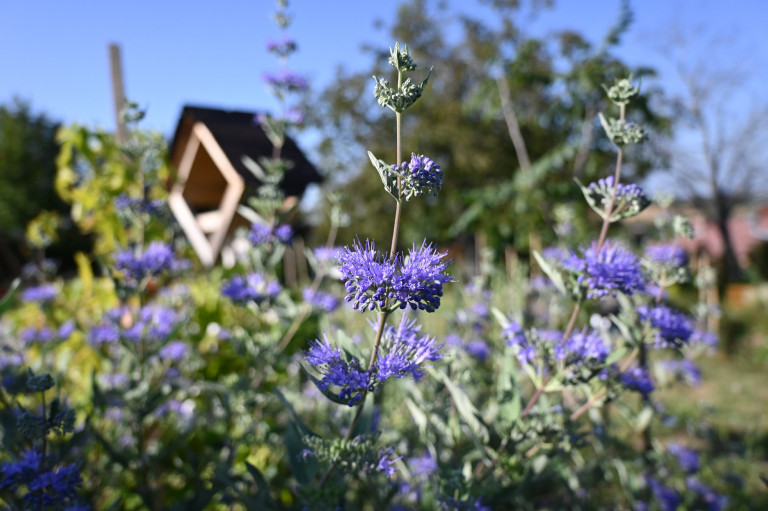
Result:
{"points": [[303, 469], [615, 355], [332, 396], [418, 415], [388, 178], [263, 498], [6, 302], [552, 273], [644, 418], [464, 406]]}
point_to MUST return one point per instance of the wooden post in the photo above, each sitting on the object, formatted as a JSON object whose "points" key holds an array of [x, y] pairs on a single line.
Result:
{"points": [[118, 91]]}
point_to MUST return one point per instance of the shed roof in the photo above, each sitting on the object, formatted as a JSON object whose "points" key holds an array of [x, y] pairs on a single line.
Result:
{"points": [[239, 134]]}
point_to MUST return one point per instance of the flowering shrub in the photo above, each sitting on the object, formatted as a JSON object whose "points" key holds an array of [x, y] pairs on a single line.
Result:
{"points": [[236, 389]]}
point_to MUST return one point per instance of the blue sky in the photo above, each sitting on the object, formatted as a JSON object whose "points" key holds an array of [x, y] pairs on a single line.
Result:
{"points": [[54, 54]]}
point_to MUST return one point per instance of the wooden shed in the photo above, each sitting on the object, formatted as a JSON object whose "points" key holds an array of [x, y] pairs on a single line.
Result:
{"points": [[208, 151]]}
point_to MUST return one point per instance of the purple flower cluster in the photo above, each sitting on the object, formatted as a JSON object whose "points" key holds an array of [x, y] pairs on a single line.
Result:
{"points": [[153, 323], [261, 234], [174, 351], [674, 327], [630, 198], [336, 371], [323, 301], [54, 488], [422, 465], [686, 458], [419, 176], [154, 260], [639, 380], [124, 202], [710, 498], [403, 352], [684, 370], [285, 80], [374, 281], [385, 464], [254, 287], [614, 269], [42, 294], [667, 498], [327, 253], [671, 256], [45, 334], [514, 335], [583, 347], [283, 47]]}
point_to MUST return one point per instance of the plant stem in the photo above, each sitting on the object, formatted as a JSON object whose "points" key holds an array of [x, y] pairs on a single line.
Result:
{"points": [[385, 312], [299, 319], [600, 242]]}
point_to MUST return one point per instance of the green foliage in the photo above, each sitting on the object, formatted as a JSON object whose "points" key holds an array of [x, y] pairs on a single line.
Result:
{"points": [[94, 169], [554, 89], [28, 150]]}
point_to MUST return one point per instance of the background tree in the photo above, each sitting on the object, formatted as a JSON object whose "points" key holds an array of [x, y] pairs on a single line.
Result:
{"points": [[28, 151], [718, 161], [500, 107]]}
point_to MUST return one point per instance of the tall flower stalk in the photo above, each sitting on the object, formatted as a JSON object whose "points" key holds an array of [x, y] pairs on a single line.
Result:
{"points": [[387, 282]]}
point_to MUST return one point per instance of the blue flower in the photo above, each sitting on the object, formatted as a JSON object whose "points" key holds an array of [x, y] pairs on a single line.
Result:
{"points": [[686, 458], [583, 347], [375, 281], [419, 176], [421, 278], [684, 370], [34, 335], [154, 260], [385, 464], [424, 465], [667, 498], [324, 301], [713, 500], [261, 234], [124, 202], [630, 198], [253, 287], [478, 349], [285, 80], [45, 488], [173, 351], [515, 336], [674, 327], [672, 256], [103, 334], [637, 379], [41, 294], [327, 253], [613, 270], [336, 371], [367, 276], [403, 351], [283, 47]]}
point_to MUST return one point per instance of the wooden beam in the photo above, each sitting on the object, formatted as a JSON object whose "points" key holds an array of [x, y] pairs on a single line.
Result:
{"points": [[118, 91]]}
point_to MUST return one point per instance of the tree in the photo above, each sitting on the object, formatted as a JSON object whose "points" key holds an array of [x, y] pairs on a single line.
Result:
{"points": [[718, 160], [28, 150], [492, 187]]}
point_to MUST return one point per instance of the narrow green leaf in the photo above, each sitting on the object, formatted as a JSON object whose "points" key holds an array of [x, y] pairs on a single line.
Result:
{"points": [[7, 301], [616, 355], [464, 406], [263, 497], [552, 273], [644, 418]]}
